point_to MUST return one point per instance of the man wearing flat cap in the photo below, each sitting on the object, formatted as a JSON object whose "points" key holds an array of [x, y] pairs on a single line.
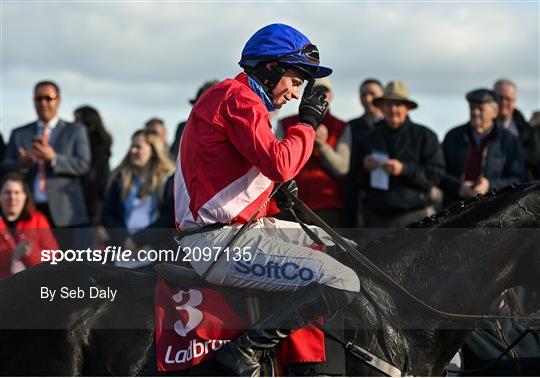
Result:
{"points": [[480, 155], [409, 158]]}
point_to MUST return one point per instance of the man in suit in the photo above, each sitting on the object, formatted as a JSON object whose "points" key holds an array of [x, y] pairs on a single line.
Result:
{"points": [[53, 154]]}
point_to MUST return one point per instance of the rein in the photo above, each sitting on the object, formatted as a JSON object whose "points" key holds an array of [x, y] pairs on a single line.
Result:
{"points": [[375, 270]]}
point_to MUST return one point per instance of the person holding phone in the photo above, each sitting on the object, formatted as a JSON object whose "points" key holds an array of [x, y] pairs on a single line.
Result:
{"points": [[53, 154]]}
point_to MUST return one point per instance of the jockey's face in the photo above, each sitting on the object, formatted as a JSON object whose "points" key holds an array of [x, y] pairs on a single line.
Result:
{"points": [[287, 88], [12, 198], [140, 152]]}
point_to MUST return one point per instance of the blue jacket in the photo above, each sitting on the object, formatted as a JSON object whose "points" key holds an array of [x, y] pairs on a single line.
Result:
{"points": [[502, 160]]}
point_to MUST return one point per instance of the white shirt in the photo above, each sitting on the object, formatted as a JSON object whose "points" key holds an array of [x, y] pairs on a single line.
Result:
{"points": [[39, 196]]}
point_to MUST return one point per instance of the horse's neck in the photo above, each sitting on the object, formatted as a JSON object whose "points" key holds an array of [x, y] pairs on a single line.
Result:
{"points": [[458, 271], [454, 269]]}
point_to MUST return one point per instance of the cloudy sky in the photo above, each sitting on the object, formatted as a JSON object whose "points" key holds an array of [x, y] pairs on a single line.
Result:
{"points": [[133, 60]]}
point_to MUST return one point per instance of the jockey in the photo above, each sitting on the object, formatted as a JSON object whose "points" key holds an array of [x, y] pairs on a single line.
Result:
{"points": [[228, 164]]}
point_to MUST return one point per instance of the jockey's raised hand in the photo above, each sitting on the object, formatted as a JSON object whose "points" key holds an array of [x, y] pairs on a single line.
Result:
{"points": [[313, 105]]}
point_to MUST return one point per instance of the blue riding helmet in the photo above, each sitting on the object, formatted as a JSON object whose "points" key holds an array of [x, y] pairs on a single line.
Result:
{"points": [[282, 43]]}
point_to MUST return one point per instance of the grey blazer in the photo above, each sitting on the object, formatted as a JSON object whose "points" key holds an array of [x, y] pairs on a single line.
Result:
{"points": [[64, 192]]}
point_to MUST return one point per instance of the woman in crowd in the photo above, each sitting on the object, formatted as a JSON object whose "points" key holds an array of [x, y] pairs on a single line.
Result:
{"points": [[138, 206], [24, 231], [95, 181]]}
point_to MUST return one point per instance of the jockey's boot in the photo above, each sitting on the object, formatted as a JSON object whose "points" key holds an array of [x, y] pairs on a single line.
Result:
{"points": [[242, 355]]}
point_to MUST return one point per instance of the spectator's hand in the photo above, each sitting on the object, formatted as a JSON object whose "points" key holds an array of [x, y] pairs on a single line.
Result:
{"points": [[370, 163], [16, 266], [482, 185], [102, 233], [313, 105], [130, 244], [26, 159], [282, 200], [435, 195], [42, 151], [466, 190], [21, 250], [321, 135], [393, 167]]}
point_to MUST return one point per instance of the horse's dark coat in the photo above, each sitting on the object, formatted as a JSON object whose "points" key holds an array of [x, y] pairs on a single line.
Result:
{"points": [[461, 269]]}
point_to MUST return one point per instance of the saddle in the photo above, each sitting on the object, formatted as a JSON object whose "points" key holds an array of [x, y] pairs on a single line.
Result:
{"points": [[183, 276], [179, 275], [242, 300]]}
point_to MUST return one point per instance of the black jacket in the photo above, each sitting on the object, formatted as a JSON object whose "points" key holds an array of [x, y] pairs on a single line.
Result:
{"points": [[502, 159], [418, 149], [530, 141], [359, 128]]}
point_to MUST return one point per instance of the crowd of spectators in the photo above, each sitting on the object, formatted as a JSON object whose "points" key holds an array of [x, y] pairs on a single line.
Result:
{"points": [[379, 170]]}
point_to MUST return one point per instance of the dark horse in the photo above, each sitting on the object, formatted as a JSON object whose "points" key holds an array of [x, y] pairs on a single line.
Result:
{"points": [[457, 261]]}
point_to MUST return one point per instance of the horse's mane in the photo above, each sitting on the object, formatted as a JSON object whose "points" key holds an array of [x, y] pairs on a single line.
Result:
{"points": [[463, 214], [463, 206]]}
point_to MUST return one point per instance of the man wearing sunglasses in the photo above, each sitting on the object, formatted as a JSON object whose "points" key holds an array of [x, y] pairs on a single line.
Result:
{"points": [[53, 154], [228, 165]]}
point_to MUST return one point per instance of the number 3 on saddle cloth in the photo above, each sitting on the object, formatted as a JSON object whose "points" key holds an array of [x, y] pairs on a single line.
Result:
{"points": [[192, 324]]}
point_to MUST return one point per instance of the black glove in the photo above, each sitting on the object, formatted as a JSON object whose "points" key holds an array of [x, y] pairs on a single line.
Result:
{"points": [[313, 105], [282, 200]]}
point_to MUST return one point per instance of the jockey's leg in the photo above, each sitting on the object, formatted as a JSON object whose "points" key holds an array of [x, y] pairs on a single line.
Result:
{"points": [[242, 355], [320, 284], [272, 264]]}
